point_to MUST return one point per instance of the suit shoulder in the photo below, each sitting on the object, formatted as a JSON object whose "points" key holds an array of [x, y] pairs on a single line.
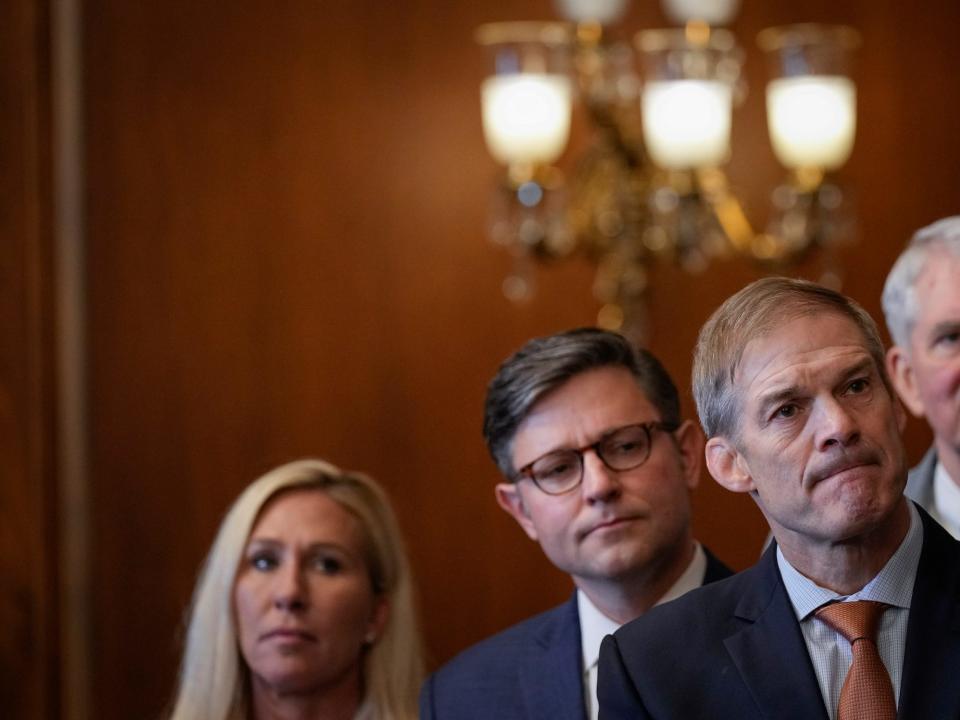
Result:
{"points": [[492, 678], [491, 655], [696, 612]]}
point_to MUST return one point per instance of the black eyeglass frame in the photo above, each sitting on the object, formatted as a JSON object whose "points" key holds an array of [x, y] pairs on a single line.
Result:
{"points": [[648, 428]]}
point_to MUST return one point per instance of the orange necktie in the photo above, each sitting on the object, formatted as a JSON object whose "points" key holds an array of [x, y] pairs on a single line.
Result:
{"points": [[867, 693]]}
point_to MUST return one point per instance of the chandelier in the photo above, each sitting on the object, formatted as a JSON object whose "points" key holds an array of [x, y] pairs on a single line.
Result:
{"points": [[651, 185]]}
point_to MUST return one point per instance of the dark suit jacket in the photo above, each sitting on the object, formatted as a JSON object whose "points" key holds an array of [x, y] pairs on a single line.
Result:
{"points": [[735, 650], [529, 671]]}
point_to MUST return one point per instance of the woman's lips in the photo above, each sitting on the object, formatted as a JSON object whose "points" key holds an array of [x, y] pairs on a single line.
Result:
{"points": [[289, 634]]}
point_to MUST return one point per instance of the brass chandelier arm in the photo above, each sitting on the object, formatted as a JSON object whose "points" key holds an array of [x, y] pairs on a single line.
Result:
{"points": [[808, 217], [727, 208], [649, 189]]}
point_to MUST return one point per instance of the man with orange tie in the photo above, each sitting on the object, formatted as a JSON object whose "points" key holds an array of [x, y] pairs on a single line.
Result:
{"points": [[853, 613]]}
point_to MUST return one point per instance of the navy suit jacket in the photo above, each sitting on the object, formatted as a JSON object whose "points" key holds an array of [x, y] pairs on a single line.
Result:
{"points": [[531, 671], [735, 649]]}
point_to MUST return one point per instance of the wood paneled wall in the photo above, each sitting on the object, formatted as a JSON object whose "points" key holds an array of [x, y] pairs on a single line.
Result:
{"points": [[29, 591], [286, 257]]}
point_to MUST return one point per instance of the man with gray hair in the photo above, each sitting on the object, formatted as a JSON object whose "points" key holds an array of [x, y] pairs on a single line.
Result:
{"points": [[598, 467], [853, 613], [921, 301]]}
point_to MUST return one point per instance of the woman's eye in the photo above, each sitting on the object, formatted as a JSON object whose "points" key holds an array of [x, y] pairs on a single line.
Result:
{"points": [[263, 562], [328, 565]]}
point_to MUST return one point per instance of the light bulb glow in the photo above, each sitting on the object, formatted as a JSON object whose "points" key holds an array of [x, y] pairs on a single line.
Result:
{"points": [[712, 12], [604, 12], [686, 123], [812, 120], [526, 116]]}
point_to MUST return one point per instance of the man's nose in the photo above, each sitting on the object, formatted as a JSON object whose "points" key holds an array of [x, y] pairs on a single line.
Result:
{"points": [[836, 425], [600, 483]]}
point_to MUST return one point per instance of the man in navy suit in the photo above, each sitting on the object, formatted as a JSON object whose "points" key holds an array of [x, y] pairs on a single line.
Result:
{"points": [[598, 469], [791, 389], [921, 300]]}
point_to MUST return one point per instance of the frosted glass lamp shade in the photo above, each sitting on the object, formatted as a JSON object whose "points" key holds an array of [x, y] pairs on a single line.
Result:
{"points": [[687, 98], [605, 12], [811, 100], [712, 12], [686, 123], [812, 120], [527, 101], [526, 116]]}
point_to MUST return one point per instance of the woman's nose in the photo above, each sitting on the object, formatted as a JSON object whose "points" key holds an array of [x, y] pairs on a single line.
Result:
{"points": [[290, 589]]}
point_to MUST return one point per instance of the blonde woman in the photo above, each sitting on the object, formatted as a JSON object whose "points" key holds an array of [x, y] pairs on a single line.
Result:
{"points": [[304, 607]]}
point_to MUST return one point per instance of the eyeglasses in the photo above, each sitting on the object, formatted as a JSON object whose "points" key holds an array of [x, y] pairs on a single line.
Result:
{"points": [[622, 449]]}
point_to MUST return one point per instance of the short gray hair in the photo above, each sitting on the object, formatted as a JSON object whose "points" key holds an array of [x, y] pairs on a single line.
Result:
{"points": [[752, 313], [899, 292], [546, 363]]}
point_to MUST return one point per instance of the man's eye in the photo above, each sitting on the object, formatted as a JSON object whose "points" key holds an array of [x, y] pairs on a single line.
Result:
{"points": [[949, 339], [858, 386], [625, 447], [555, 469], [785, 411], [626, 442]]}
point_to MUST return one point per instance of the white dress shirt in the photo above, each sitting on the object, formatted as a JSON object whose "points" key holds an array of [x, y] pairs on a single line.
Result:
{"points": [[829, 651], [946, 501], [595, 626]]}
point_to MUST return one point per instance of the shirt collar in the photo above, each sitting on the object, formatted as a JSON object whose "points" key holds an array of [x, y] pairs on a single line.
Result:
{"points": [[594, 625], [946, 498], [893, 585]]}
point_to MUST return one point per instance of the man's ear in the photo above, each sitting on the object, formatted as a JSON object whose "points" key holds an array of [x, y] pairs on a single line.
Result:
{"points": [[510, 499], [728, 466], [899, 413], [690, 442], [900, 370]]}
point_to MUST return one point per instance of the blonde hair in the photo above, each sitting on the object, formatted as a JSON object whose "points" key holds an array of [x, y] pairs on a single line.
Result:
{"points": [[213, 682]]}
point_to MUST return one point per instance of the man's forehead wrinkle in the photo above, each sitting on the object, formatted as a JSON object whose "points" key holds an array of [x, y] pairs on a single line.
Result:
{"points": [[773, 318], [779, 379], [778, 393]]}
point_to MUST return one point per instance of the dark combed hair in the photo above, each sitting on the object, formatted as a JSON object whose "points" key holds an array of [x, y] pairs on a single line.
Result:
{"points": [[545, 363]]}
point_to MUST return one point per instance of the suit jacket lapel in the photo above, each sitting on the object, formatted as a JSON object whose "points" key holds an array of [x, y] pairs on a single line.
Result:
{"points": [[550, 672], [931, 662], [716, 570], [768, 648]]}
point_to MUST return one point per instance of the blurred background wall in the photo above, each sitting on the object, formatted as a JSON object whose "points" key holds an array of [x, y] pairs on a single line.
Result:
{"points": [[284, 254]]}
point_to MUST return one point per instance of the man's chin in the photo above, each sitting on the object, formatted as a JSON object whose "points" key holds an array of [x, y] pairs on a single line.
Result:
{"points": [[617, 563], [849, 523]]}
